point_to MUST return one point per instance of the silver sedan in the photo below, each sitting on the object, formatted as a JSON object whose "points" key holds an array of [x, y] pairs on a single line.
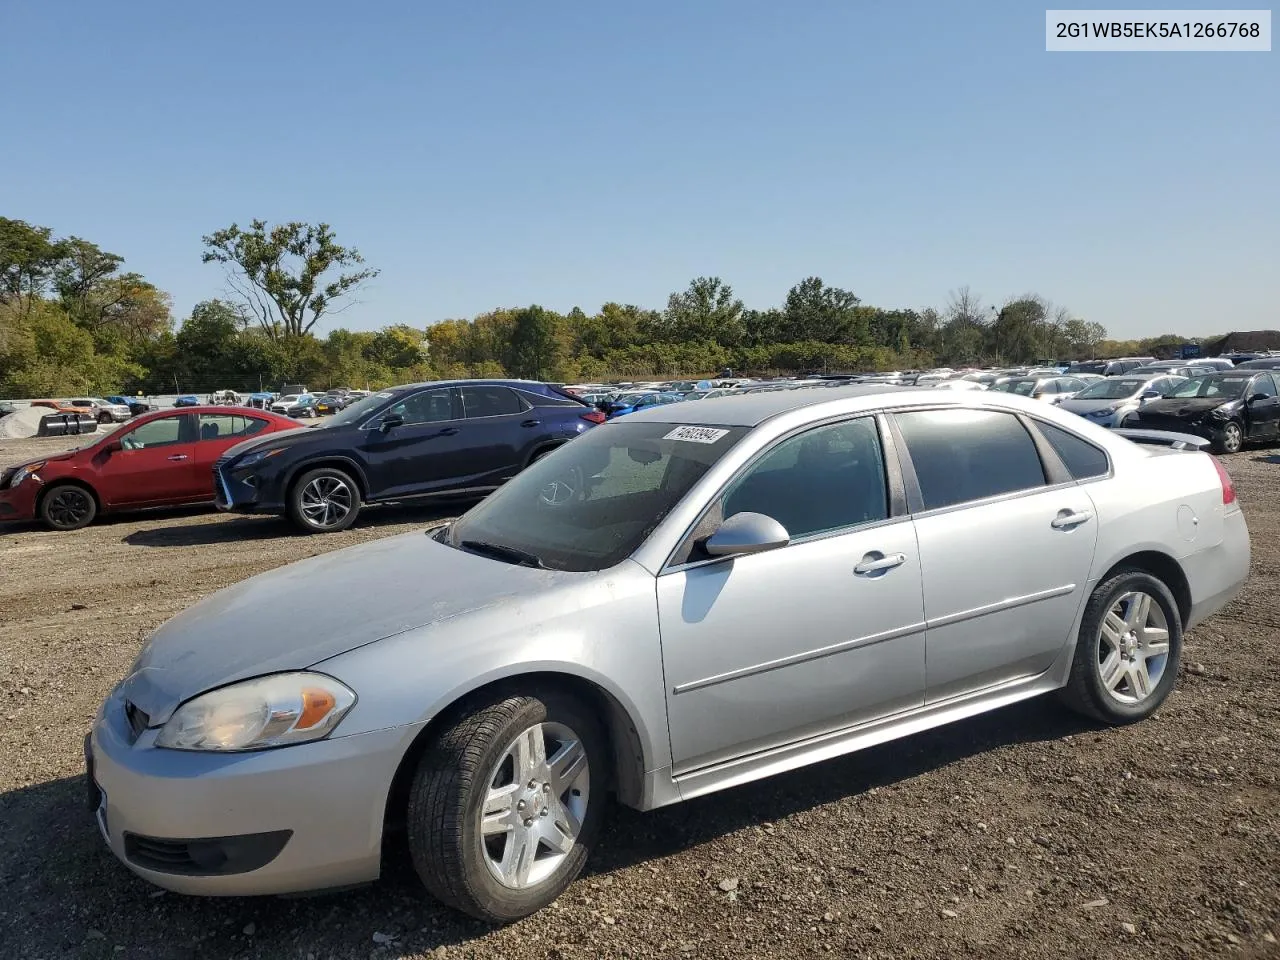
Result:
{"points": [[688, 599], [1109, 402]]}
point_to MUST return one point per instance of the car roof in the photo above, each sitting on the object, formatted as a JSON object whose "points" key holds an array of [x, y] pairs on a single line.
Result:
{"points": [[751, 409]]}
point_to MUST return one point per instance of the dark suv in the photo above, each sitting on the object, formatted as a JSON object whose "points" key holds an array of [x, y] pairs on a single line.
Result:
{"points": [[450, 439]]}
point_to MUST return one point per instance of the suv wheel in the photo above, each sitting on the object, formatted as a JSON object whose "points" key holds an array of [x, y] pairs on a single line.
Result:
{"points": [[68, 507], [324, 501], [1128, 651], [105, 417], [502, 813]]}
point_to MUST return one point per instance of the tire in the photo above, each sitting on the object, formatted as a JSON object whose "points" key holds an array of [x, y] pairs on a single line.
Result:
{"points": [[325, 500], [105, 418], [1119, 674], [1231, 438], [67, 506], [544, 451], [457, 775]]}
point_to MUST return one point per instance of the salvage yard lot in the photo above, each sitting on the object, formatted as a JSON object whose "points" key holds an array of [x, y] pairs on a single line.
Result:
{"points": [[1022, 833]]}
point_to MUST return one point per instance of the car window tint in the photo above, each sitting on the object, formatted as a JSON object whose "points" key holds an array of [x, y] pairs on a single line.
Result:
{"points": [[218, 426], [823, 479], [1081, 457], [430, 406], [962, 455], [154, 433], [489, 402], [1264, 384]]}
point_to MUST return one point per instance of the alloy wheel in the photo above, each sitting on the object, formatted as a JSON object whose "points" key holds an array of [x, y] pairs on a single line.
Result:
{"points": [[1232, 438], [326, 501], [69, 507], [534, 806], [1133, 647]]}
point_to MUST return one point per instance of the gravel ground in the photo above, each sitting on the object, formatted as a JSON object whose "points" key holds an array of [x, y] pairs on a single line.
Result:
{"points": [[1023, 833]]}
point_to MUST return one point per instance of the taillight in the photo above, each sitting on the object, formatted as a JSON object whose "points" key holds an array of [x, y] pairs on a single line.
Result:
{"points": [[595, 416], [1228, 488]]}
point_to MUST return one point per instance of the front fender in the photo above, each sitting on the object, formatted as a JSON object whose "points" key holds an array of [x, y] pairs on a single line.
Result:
{"points": [[602, 629]]}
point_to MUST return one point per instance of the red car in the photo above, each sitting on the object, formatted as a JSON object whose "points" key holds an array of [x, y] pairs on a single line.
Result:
{"points": [[157, 460]]}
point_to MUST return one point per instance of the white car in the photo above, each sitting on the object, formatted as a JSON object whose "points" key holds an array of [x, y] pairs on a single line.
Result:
{"points": [[101, 410], [295, 405]]}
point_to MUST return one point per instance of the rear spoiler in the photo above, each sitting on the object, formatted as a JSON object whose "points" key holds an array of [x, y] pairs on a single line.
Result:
{"points": [[1163, 438]]}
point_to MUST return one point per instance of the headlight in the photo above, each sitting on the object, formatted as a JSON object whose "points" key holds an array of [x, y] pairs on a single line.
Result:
{"points": [[272, 711], [28, 471], [258, 456]]}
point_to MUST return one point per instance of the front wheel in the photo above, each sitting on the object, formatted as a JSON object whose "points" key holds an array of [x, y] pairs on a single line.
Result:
{"points": [[324, 501], [506, 804], [68, 507], [1128, 650], [105, 417], [1231, 439]]}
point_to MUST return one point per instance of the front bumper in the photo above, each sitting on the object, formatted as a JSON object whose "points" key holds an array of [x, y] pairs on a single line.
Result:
{"points": [[19, 503], [231, 493], [204, 823]]}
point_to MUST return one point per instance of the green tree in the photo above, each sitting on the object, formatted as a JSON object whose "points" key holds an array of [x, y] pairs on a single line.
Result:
{"points": [[537, 346], [280, 272], [28, 257], [814, 311], [706, 311]]}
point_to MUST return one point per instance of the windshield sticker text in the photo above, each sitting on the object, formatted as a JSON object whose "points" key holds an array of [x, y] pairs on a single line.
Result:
{"points": [[696, 434]]}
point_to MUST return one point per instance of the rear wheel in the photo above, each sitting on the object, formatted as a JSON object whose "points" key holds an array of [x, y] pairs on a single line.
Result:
{"points": [[506, 804], [68, 507], [1128, 651], [1231, 439], [325, 500]]}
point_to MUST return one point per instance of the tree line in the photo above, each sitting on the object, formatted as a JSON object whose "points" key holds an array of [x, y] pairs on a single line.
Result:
{"points": [[74, 320]]}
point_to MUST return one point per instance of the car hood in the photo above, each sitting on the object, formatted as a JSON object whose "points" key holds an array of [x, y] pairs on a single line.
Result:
{"points": [[277, 439], [1185, 406], [296, 616], [1088, 406], [49, 458]]}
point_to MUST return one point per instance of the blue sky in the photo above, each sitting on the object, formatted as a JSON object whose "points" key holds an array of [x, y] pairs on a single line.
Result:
{"points": [[497, 154]]}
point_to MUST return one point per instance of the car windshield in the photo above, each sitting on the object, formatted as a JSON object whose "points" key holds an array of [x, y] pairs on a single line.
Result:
{"points": [[291, 398], [1211, 386], [1113, 389], [596, 499], [359, 411]]}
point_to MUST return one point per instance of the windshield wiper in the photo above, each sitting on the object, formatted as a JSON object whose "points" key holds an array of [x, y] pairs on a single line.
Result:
{"points": [[500, 552]]}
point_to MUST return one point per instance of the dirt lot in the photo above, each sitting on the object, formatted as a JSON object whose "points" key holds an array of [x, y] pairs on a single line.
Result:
{"points": [[1025, 833]]}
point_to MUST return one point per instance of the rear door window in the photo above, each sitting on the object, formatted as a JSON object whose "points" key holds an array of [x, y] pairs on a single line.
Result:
{"points": [[965, 455], [478, 402]]}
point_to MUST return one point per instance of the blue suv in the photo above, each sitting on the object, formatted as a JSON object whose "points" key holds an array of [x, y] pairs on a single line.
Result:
{"points": [[457, 439]]}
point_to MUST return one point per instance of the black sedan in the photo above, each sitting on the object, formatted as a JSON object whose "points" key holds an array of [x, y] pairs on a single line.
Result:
{"points": [[1227, 408], [456, 439]]}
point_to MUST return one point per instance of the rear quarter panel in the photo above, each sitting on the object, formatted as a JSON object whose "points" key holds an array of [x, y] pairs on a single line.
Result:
{"points": [[1165, 501]]}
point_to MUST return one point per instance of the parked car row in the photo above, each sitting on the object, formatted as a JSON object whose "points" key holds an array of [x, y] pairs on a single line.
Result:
{"points": [[454, 440]]}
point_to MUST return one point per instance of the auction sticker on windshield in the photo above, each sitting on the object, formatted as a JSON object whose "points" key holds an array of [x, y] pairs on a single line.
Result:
{"points": [[696, 434]]}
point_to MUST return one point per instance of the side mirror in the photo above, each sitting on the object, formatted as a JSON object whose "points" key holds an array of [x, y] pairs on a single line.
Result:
{"points": [[1151, 394], [390, 422], [1259, 396], [115, 446], [746, 533]]}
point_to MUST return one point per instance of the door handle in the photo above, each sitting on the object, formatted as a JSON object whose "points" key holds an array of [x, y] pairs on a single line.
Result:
{"points": [[875, 562], [448, 431], [178, 456], [530, 423], [1067, 519]]}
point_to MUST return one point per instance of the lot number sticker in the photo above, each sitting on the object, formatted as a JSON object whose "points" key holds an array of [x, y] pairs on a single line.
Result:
{"points": [[696, 434]]}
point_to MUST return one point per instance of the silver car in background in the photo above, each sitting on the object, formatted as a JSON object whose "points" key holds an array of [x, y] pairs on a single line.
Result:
{"points": [[688, 599], [1108, 402]]}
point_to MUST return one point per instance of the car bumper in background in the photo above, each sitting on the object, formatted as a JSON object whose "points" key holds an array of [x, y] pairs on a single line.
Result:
{"points": [[292, 819]]}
